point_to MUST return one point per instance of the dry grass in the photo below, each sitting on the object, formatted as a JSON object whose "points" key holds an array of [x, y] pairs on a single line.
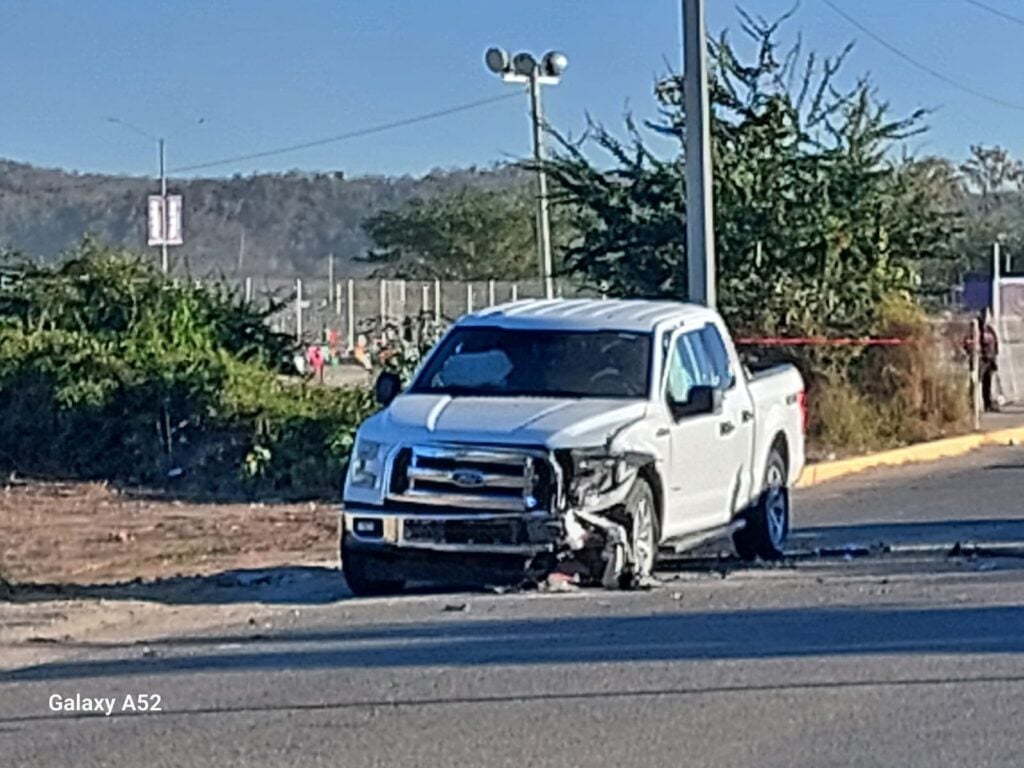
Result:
{"points": [[893, 396]]}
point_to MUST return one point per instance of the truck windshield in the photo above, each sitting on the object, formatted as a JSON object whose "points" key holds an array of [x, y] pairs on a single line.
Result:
{"points": [[504, 362]]}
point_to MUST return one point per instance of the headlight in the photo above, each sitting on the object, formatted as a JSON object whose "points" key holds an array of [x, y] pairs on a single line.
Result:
{"points": [[367, 463], [593, 474]]}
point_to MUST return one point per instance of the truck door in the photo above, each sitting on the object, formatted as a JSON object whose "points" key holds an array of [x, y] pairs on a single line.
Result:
{"points": [[736, 427], [704, 456]]}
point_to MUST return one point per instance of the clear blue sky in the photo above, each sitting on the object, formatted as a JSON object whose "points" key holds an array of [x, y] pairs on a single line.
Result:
{"points": [[270, 73]]}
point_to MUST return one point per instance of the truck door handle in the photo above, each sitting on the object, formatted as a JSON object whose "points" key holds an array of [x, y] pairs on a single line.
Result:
{"points": [[747, 416], [726, 428]]}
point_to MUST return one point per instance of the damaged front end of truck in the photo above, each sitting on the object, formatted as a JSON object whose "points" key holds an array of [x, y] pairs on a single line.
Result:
{"points": [[599, 543]]}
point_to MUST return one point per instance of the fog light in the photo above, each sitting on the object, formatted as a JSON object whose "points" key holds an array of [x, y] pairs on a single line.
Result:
{"points": [[368, 527]]}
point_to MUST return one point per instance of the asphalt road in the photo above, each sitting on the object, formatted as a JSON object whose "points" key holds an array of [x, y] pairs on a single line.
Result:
{"points": [[896, 660]]}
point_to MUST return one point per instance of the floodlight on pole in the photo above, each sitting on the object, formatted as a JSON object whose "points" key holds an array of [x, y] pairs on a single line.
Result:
{"points": [[524, 68]]}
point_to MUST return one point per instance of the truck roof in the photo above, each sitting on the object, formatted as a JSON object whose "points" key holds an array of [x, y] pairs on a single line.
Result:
{"points": [[636, 315]]}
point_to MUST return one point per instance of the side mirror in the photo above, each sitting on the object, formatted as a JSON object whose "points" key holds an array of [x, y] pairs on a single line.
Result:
{"points": [[701, 402], [387, 387]]}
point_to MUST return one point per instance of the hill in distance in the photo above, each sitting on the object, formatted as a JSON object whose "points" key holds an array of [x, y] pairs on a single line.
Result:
{"points": [[278, 225]]}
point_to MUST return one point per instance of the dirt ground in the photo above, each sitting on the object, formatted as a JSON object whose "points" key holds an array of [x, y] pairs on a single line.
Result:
{"points": [[86, 533], [92, 562]]}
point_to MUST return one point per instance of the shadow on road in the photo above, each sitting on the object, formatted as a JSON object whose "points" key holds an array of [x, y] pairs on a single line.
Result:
{"points": [[751, 634], [300, 585], [935, 532]]}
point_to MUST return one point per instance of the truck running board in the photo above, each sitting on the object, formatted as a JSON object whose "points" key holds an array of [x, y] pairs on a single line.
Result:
{"points": [[693, 540]]}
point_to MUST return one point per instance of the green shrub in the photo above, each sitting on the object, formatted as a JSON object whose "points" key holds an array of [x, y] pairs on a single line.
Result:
{"points": [[109, 370]]}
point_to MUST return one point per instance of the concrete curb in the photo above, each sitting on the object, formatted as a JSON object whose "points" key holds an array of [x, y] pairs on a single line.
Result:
{"points": [[815, 474]]}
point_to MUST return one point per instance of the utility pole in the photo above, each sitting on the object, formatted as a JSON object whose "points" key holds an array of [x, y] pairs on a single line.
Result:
{"points": [[700, 240], [543, 214]]}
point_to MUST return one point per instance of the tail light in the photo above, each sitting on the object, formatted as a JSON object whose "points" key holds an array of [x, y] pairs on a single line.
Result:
{"points": [[801, 400]]}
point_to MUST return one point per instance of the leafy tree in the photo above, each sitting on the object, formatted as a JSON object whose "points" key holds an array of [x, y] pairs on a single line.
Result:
{"points": [[991, 171], [816, 221], [993, 206], [470, 235]]}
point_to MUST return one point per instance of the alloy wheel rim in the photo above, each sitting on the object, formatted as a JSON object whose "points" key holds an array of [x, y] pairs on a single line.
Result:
{"points": [[776, 506], [643, 537]]}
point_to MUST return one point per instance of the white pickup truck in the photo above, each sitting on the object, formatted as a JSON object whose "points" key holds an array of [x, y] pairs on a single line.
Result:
{"points": [[594, 431]]}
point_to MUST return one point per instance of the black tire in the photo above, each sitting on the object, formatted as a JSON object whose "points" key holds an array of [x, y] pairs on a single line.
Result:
{"points": [[768, 521], [353, 566], [644, 529]]}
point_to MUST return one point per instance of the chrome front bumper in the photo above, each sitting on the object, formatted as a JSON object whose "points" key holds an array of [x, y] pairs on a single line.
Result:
{"points": [[522, 533]]}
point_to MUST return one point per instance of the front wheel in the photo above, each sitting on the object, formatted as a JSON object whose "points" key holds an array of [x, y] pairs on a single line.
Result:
{"points": [[767, 523], [642, 521], [355, 566]]}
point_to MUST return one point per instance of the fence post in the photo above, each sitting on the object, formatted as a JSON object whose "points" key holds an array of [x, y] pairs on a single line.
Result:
{"points": [[350, 308], [515, 291], [490, 293], [437, 300], [469, 298], [298, 309], [330, 278], [996, 268], [248, 290], [976, 374]]}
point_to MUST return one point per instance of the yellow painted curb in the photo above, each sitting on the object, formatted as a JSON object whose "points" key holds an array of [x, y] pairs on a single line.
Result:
{"points": [[814, 474]]}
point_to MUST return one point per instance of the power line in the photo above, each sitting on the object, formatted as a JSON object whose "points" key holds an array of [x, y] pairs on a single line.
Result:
{"points": [[350, 135], [922, 66], [996, 11]]}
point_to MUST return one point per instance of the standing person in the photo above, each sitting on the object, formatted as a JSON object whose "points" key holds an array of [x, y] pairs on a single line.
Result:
{"points": [[989, 357]]}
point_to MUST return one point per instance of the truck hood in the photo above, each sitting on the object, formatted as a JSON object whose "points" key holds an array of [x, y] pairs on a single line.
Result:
{"points": [[554, 423]]}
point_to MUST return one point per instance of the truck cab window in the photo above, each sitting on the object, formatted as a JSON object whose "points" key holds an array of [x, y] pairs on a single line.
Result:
{"points": [[689, 366], [718, 355]]}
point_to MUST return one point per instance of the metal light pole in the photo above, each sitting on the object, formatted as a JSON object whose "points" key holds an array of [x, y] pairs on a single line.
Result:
{"points": [[700, 240], [164, 261], [524, 68], [161, 145]]}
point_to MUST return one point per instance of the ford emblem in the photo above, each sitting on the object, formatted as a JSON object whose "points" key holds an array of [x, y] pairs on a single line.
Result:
{"points": [[467, 478]]}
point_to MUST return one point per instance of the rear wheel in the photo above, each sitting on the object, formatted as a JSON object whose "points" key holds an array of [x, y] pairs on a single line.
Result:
{"points": [[767, 523], [355, 565]]}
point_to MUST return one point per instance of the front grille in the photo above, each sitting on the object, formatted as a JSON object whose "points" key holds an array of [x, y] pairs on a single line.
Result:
{"points": [[501, 532], [479, 479]]}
